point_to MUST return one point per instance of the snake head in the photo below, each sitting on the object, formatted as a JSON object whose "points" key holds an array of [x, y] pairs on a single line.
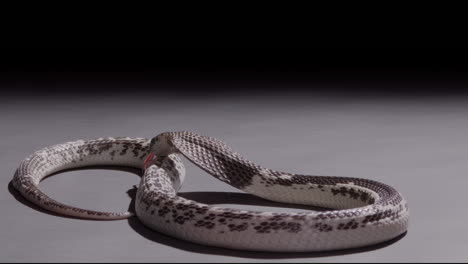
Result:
{"points": [[160, 146]]}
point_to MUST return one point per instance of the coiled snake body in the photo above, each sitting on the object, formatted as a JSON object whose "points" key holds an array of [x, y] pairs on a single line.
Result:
{"points": [[364, 212]]}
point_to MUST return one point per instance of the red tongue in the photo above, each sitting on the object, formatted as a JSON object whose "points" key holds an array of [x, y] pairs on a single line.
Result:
{"points": [[148, 159]]}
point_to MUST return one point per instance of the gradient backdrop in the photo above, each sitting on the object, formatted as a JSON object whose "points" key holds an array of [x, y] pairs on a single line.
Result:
{"points": [[394, 115]]}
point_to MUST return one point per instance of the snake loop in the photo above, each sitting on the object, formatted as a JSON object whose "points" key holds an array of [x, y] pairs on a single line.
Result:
{"points": [[362, 212]]}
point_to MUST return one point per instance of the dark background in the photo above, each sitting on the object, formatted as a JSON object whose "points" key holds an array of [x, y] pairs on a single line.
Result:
{"points": [[353, 70]]}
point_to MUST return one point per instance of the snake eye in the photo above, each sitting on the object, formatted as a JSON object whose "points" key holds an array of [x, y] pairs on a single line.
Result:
{"points": [[154, 140]]}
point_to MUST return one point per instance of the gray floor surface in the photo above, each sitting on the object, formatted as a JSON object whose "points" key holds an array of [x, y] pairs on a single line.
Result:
{"points": [[417, 144]]}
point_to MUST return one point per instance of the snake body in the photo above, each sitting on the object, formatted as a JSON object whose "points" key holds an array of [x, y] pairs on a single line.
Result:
{"points": [[362, 212]]}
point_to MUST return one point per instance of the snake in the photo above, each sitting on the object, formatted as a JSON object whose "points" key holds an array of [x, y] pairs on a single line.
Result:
{"points": [[358, 212]]}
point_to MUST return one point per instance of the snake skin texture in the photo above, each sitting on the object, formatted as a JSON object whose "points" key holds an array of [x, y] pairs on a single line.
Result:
{"points": [[362, 212]]}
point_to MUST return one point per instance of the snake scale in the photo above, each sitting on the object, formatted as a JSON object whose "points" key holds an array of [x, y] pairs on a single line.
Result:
{"points": [[362, 212]]}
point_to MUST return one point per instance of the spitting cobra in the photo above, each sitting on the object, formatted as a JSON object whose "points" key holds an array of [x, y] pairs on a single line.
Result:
{"points": [[361, 212]]}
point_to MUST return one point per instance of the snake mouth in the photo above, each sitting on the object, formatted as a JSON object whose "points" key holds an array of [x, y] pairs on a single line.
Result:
{"points": [[147, 160]]}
